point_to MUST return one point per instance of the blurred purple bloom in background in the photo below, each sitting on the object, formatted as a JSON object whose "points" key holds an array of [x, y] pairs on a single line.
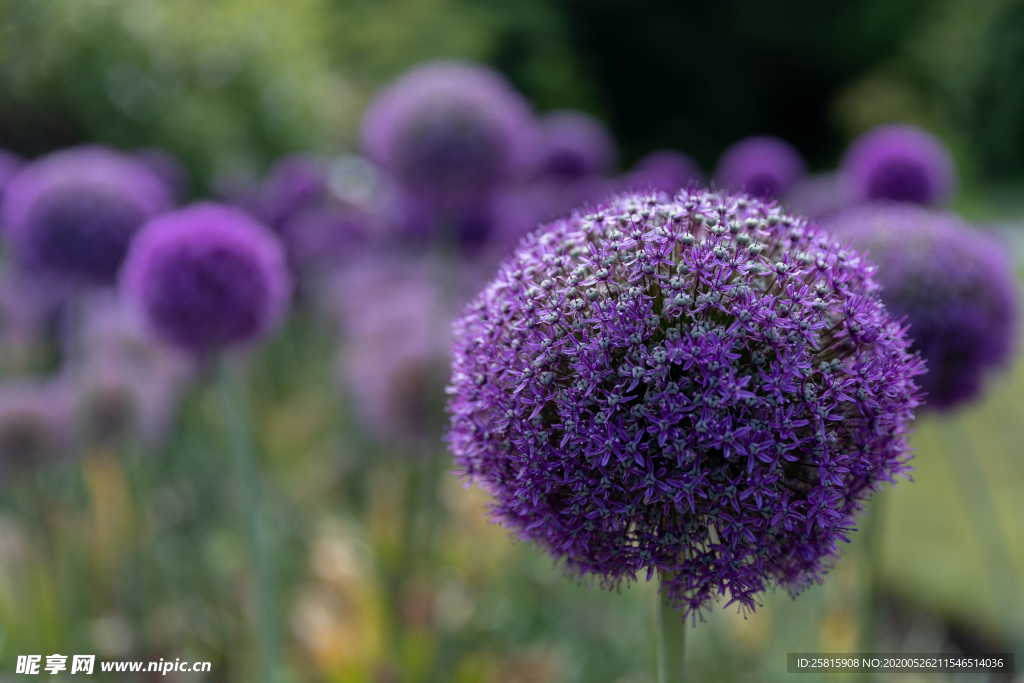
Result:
{"points": [[35, 424], [166, 166], [763, 167], [954, 284], [9, 165], [817, 197], [449, 134], [206, 277], [71, 215], [704, 386], [574, 145], [324, 237], [395, 325], [898, 163], [663, 171], [293, 184]]}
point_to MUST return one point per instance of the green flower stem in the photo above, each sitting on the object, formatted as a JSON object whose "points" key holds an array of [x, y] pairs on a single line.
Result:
{"points": [[671, 641], [236, 414], [872, 555]]}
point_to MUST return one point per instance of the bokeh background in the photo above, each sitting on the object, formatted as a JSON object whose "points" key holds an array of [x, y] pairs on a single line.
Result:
{"points": [[384, 566]]}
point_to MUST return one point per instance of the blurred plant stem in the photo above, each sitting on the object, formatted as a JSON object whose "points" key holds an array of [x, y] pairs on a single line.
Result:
{"points": [[415, 551], [671, 640], [980, 503], [235, 408], [872, 557]]}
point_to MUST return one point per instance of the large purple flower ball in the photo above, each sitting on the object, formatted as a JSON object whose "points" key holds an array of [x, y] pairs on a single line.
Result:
{"points": [[764, 167], [898, 163], [574, 145], [702, 386], [954, 284], [70, 216], [206, 277], [450, 131]]}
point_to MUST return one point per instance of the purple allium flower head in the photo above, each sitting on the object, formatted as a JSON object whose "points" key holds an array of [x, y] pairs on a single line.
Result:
{"points": [[396, 328], [113, 403], [764, 167], [449, 131], [70, 216], [206, 277], [321, 238], [9, 165], [293, 184], [35, 424], [954, 285], [817, 197], [664, 171], [167, 168], [898, 163], [574, 145], [704, 386]]}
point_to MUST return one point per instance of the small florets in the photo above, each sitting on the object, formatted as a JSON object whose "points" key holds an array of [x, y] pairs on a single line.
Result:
{"points": [[954, 285], [643, 394], [206, 277]]}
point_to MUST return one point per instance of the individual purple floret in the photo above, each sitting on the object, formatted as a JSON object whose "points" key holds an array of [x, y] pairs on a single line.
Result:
{"points": [[663, 171], [206, 277], [898, 163], [574, 145], [71, 215], [704, 387], [954, 285], [765, 167], [449, 132]]}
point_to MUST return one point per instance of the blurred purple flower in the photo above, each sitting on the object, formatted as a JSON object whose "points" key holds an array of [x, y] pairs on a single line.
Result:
{"points": [[395, 325], [293, 184], [207, 277], [71, 215], [702, 386], [955, 286], [321, 238], [663, 171], [899, 163], [113, 403], [817, 197], [35, 425], [763, 167], [9, 165], [574, 145], [449, 132], [167, 168]]}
